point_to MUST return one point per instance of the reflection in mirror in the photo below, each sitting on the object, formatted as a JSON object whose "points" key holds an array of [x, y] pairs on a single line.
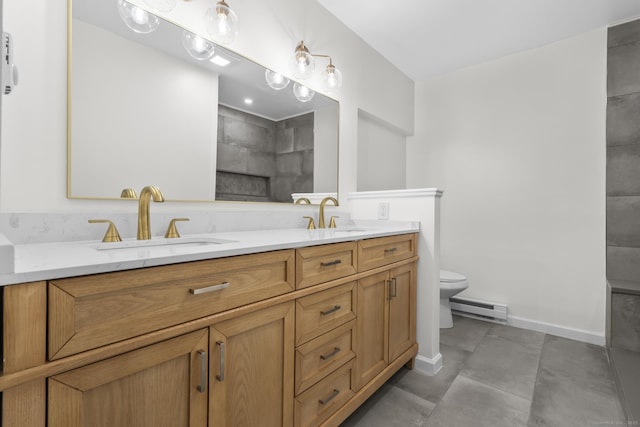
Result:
{"points": [[142, 111]]}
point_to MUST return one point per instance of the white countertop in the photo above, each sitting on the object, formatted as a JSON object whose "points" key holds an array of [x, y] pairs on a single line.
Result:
{"points": [[46, 261]]}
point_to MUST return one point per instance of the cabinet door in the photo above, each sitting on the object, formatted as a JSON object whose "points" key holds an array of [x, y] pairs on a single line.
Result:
{"points": [[251, 371], [371, 330], [155, 386], [402, 310]]}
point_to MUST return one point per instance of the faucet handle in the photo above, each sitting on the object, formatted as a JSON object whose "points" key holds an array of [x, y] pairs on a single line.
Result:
{"points": [[128, 193], [332, 222], [112, 234], [172, 231], [312, 224]]}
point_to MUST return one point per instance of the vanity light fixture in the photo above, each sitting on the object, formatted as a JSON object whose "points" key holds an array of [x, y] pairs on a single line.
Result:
{"points": [[302, 65], [162, 5], [221, 23], [197, 46], [275, 80], [303, 93], [136, 18]]}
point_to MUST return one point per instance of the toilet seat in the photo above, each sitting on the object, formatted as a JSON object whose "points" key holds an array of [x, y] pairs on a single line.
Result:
{"points": [[451, 277]]}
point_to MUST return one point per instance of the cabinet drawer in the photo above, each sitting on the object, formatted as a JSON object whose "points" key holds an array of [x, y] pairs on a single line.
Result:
{"points": [[323, 399], [381, 251], [323, 355], [323, 311], [92, 311], [318, 264]]}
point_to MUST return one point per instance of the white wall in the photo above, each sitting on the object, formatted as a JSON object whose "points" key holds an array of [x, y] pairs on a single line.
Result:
{"points": [[381, 155], [518, 146], [33, 142]]}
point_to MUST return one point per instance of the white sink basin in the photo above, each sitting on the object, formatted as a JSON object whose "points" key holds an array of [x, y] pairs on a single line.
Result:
{"points": [[180, 241], [349, 229]]}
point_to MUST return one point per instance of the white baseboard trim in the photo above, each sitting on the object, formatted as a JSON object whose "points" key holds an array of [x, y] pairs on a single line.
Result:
{"points": [[560, 331], [428, 366]]}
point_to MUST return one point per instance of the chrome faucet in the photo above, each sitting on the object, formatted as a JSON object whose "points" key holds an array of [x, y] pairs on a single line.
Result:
{"points": [[144, 223], [321, 223]]}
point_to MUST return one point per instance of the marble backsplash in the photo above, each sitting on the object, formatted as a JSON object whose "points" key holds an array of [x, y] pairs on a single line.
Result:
{"points": [[24, 228]]}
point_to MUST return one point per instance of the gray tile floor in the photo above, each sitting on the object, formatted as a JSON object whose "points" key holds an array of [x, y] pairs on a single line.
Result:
{"points": [[496, 376]]}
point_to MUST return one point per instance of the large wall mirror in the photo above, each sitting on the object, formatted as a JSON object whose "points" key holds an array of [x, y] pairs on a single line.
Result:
{"points": [[142, 112]]}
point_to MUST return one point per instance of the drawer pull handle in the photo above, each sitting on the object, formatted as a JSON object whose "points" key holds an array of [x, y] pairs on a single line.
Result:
{"points": [[330, 263], [213, 288], [335, 351], [330, 398], [203, 371], [393, 288], [220, 377], [390, 251], [331, 310]]}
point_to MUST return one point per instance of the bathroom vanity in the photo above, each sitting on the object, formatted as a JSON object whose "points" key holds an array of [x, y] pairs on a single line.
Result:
{"points": [[297, 332]]}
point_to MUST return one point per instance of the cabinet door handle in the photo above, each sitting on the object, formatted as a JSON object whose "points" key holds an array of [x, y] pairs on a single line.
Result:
{"points": [[395, 287], [203, 371], [390, 250], [220, 377], [330, 263], [335, 351], [213, 288], [330, 398], [331, 310]]}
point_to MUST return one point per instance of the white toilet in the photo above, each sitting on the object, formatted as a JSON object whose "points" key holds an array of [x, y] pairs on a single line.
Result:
{"points": [[450, 285]]}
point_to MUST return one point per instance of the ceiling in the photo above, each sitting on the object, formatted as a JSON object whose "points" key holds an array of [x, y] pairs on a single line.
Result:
{"points": [[425, 38]]}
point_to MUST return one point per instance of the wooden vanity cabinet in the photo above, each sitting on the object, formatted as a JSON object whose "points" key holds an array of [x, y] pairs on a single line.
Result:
{"points": [[291, 338], [162, 385], [385, 320]]}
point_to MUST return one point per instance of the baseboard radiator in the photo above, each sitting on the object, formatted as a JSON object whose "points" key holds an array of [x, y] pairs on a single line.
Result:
{"points": [[477, 309]]}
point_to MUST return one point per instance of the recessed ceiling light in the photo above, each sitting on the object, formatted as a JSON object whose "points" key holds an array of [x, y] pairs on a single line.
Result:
{"points": [[219, 60], [248, 101]]}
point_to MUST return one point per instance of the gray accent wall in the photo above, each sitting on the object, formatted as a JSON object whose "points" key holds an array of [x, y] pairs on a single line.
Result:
{"points": [[261, 159], [623, 152]]}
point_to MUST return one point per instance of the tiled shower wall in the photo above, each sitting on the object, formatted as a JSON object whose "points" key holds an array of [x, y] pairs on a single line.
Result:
{"points": [[623, 178], [261, 159]]}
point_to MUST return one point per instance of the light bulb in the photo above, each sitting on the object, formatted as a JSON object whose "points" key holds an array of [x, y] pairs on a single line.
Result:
{"points": [[275, 80], [198, 47], [139, 16], [136, 18], [221, 23], [302, 64], [332, 78], [303, 93]]}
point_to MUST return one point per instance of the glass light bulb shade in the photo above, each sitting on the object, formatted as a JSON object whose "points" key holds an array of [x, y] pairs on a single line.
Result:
{"points": [[162, 5], [303, 93], [275, 80], [221, 23], [197, 46], [136, 18], [332, 78], [302, 65]]}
